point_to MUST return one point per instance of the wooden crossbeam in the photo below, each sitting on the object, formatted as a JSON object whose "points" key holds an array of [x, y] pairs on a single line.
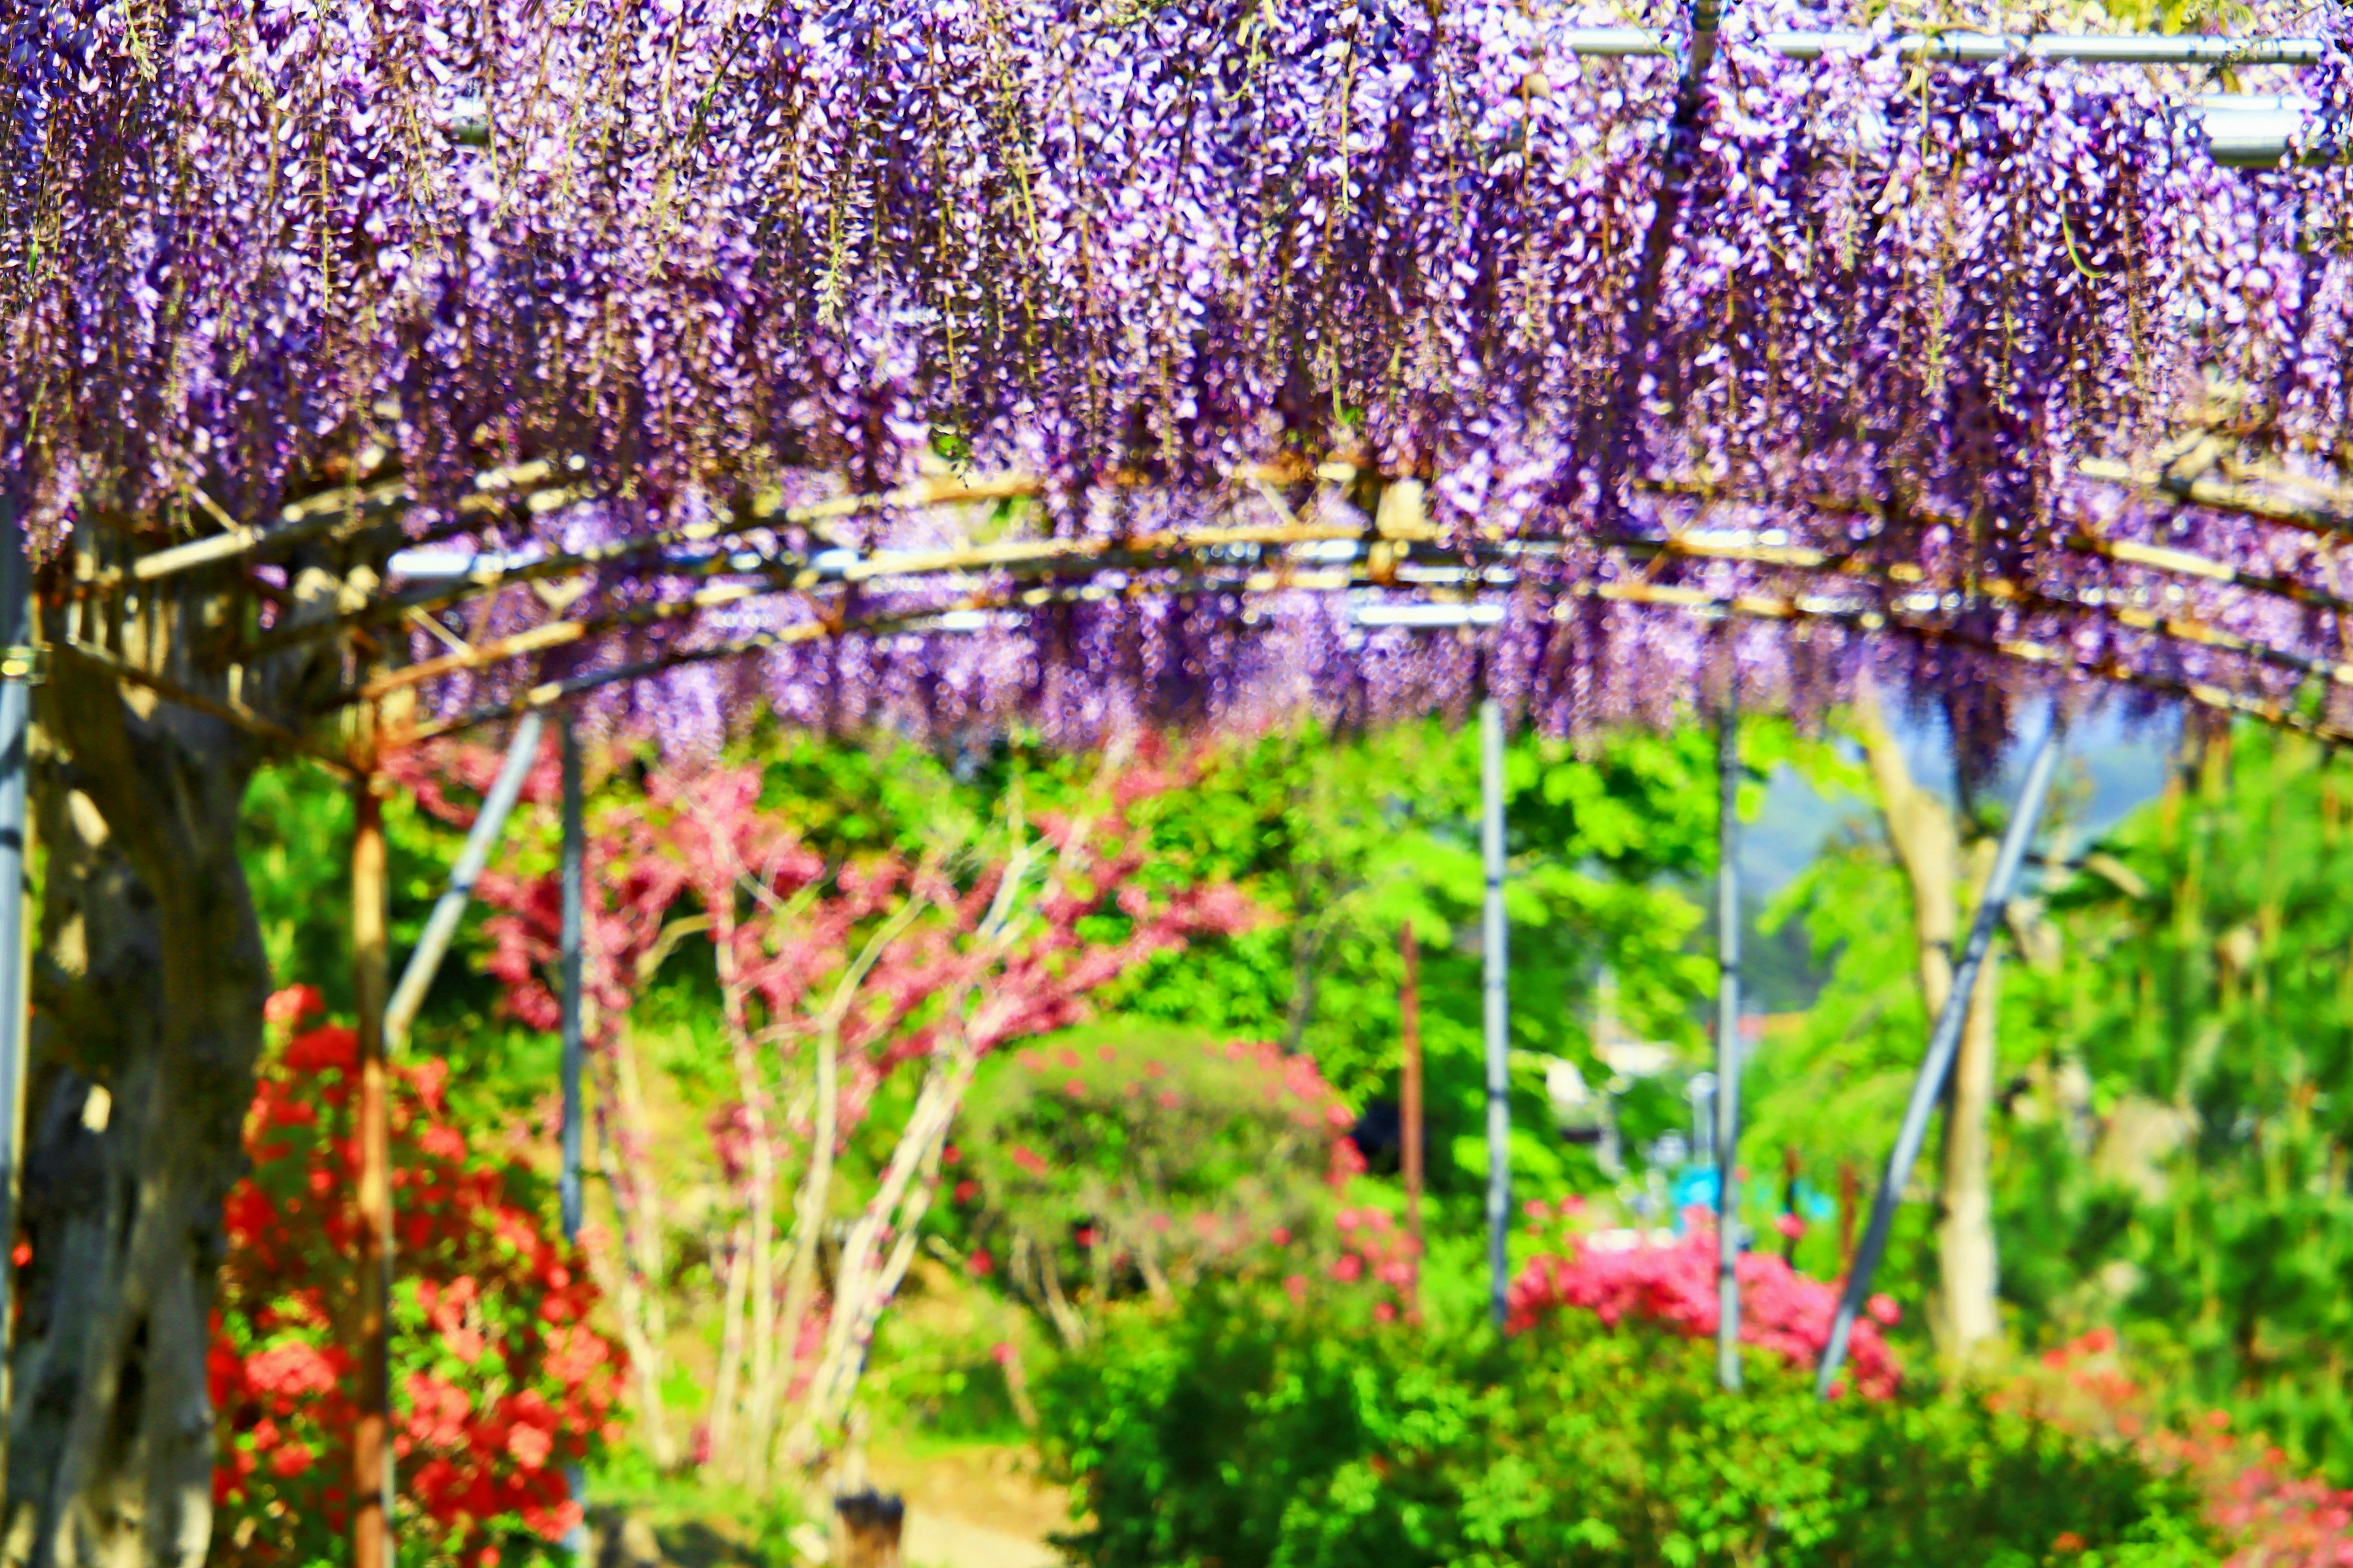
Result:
{"points": [[1871, 619], [236, 714]]}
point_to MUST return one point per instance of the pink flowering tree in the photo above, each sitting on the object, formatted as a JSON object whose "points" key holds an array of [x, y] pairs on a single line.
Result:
{"points": [[1136, 1161], [833, 979]]}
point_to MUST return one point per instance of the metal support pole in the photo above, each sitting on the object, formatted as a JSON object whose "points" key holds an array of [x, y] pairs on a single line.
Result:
{"points": [[1409, 1092], [1494, 937], [573, 874], [1943, 1044], [424, 961], [1727, 1041], [2090, 48], [372, 1545], [574, 895], [16, 663]]}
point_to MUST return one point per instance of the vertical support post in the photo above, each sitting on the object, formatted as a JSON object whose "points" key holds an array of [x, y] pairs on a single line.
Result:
{"points": [[1943, 1044], [372, 1431], [574, 892], [15, 845], [1789, 1201], [1727, 1039], [1410, 1090], [1849, 1198], [1495, 935], [573, 873]]}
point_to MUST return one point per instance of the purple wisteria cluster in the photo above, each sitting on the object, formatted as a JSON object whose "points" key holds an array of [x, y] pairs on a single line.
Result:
{"points": [[1311, 328]]}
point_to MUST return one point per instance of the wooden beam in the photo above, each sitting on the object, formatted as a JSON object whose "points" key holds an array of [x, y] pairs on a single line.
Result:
{"points": [[227, 713]]}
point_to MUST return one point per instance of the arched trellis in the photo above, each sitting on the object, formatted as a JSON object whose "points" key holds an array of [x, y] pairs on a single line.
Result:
{"points": [[1397, 576], [1396, 570]]}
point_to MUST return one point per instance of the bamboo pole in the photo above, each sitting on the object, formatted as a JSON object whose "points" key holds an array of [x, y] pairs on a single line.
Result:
{"points": [[1871, 619], [371, 1480], [1410, 1129], [2183, 564], [2227, 495], [1903, 575], [336, 514], [1943, 1044], [1100, 555], [1495, 935], [424, 961], [1727, 1033], [466, 584], [2160, 558], [1867, 617]]}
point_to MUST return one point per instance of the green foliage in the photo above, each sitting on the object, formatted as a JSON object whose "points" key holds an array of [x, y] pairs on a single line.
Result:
{"points": [[1345, 840], [297, 835], [2171, 1141], [699, 1519], [1244, 1435], [2208, 1000], [1147, 1151]]}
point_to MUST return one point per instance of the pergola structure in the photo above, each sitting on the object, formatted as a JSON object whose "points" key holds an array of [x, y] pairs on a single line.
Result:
{"points": [[942, 370]]}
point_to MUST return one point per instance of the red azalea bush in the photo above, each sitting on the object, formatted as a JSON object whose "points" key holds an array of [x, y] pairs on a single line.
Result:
{"points": [[498, 1383], [1673, 1288], [2272, 1517]]}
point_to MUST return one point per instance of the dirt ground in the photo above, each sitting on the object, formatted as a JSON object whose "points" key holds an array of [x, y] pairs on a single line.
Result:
{"points": [[976, 1506], [973, 1508]]}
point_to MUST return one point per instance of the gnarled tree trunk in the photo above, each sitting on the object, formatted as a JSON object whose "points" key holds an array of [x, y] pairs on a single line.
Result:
{"points": [[148, 987]]}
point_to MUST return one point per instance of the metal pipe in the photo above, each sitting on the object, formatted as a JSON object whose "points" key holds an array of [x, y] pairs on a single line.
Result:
{"points": [[1496, 934], [1943, 1044], [2243, 130], [1958, 48], [16, 670], [1727, 1039], [574, 875], [441, 926], [574, 892]]}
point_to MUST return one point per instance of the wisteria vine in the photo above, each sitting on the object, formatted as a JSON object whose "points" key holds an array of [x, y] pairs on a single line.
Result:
{"points": [[1357, 277]]}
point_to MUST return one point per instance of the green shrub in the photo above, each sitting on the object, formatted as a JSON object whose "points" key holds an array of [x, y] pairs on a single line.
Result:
{"points": [[1121, 1159], [1238, 1435]]}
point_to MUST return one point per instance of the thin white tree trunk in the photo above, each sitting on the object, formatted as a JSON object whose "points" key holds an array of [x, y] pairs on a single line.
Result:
{"points": [[625, 1151], [809, 1205], [1965, 1236], [1927, 840], [725, 1396], [759, 1124]]}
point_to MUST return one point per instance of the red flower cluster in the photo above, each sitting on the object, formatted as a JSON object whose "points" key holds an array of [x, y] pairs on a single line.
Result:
{"points": [[1673, 1286], [499, 1382]]}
